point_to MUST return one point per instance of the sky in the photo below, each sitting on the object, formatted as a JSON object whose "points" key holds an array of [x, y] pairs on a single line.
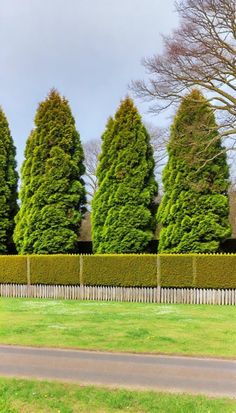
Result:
{"points": [[89, 50]]}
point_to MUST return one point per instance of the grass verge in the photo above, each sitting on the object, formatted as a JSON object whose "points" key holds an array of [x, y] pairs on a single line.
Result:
{"points": [[109, 326], [25, 396]]}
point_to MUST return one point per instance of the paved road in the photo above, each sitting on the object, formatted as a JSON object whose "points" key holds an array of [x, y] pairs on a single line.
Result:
{"points": [[167, 373]]}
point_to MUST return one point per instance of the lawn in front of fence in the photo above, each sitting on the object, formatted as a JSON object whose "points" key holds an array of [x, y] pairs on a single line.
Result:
{"points": [[112, 326], [20, 396]]}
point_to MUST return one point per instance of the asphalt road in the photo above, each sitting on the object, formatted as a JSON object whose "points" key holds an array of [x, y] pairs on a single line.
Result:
{"points": [[165, 373]]}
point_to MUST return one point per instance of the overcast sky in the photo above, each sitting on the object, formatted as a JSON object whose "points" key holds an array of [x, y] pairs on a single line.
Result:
{"points": [[88, 49]]}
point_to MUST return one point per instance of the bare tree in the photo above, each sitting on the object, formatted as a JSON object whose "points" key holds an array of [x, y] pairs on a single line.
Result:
{"points": [[201, 52], [92, 149], [159, 140], [232, 206], [86, 228]]}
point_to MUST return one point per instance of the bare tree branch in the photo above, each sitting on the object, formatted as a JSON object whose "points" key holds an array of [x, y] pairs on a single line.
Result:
{"points": [[201, 52], [159, 140], [92, 149]]}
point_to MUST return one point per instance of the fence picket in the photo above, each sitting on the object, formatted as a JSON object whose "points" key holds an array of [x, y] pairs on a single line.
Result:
{"points": [[131, 294]]}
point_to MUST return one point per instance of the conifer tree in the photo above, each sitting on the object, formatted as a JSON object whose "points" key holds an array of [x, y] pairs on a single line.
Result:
{"points": [[52, 194], [194, 209], [8, 187], [123, 209]]}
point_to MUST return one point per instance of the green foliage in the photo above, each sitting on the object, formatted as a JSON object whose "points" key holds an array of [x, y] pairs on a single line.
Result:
{"points": [[13, 270], [52, 194], [120, 270], [218, 271], [123, 215], [175, 270], [197, 270], [8, 187], [194, 209], [55, 269]]}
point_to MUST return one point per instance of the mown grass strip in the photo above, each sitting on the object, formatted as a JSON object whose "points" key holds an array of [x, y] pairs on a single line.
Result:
{"points": [[110, 326], [25, 396]]}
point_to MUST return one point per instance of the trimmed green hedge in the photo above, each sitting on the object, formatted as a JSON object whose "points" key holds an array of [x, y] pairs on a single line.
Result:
{"points": [[175, 270], [217, 271], [126, 270], [55, 269], [13, 269]]}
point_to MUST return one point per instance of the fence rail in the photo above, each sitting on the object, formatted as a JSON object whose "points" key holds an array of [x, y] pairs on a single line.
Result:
{"points": [[132, 294]]}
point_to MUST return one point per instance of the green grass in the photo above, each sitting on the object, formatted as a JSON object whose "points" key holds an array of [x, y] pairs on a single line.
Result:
{"points": [[24, 396], [183, 329]]}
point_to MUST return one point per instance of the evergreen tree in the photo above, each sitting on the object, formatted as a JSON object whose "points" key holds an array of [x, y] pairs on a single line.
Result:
{"points": [[52, 194], [101, 197], [123, 209], [8, 187], [194, 209]]}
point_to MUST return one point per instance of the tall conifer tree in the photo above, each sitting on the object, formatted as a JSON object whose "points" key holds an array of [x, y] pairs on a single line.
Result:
{"points": [[123, 214], [8, 187], [52, 194], [194, 209]]}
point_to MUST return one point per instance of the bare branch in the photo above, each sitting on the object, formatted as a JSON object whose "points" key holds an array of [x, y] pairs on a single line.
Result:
{"points": [[92, 149], [201, 52]]}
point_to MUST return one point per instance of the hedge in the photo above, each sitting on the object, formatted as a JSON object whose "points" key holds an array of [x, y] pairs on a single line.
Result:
{"points": [[175, 270], [218, 271], [13, 269], [126, 270], [55, 269]]}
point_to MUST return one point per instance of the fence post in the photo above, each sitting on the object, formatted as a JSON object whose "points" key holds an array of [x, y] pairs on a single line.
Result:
{"points": [[28, 269], [81, 269], [194, 274], [158, 278]]}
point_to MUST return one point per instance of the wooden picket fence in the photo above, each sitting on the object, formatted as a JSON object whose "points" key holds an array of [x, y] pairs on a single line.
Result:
{"points": [[132, 294]]}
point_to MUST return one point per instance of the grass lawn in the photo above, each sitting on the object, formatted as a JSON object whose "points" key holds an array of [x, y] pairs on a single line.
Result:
{"points": [[182, 329], [24, 396]]}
